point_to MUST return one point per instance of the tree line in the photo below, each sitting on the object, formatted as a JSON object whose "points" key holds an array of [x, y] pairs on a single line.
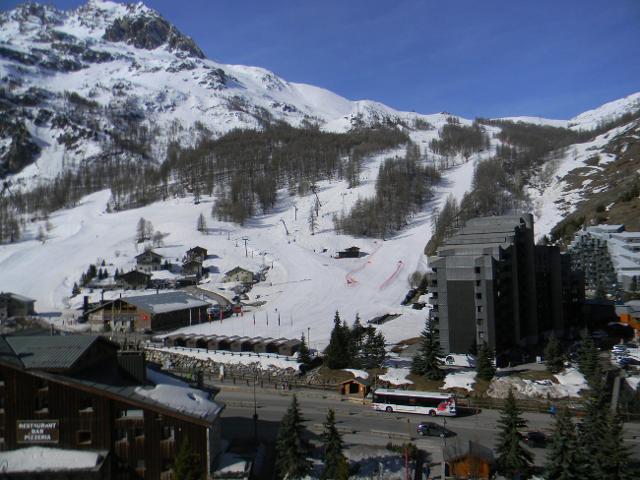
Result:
{"points": [[402, 187]]}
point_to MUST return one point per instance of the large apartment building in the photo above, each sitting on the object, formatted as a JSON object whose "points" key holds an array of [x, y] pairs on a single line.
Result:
{"points": [[609, 257], [492, 284]]}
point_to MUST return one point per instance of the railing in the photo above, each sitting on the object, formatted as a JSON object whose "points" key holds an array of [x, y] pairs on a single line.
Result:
{"points": [[287, 358]]}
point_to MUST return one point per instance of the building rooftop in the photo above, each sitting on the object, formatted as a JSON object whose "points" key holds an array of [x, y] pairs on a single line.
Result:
{"points": [[166, 302], [47, 352]]}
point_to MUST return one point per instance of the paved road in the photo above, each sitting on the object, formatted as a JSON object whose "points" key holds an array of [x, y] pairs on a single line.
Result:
{"points": [[360, 425]]}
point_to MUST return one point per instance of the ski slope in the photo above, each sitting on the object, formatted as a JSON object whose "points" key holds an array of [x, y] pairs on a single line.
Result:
{"points": [[305, 284]]}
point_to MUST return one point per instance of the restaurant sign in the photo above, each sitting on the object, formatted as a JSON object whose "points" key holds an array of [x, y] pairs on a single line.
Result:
{"points": [[37, 431]]}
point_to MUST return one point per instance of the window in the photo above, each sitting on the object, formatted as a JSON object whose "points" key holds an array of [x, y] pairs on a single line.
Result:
{"points": [[481, 335], [477, 269], [479, 308], [479, 321], [122, 434], [83, 437], [168, 432], [478, 282], [479, 296]]}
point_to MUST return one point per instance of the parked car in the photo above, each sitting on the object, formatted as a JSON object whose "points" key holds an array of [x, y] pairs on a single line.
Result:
{"points": [[535, 439], [431, 429]]}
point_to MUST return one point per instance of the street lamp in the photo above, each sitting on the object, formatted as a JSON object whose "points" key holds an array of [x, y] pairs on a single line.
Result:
{"points": [[255, 406]]}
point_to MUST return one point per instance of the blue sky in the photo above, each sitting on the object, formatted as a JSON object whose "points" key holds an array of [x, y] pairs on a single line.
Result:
{"points": [[493, 58]]}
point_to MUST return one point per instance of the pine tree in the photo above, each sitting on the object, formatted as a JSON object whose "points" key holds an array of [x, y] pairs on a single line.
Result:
{"points": [[356, 341], [512, 457], [484, 363], [588, 360], [428, 360], [593, 430], [615, 454], [373, 350], [291, 447], [553, 357], [337, 353], [563, 461], [202, 223], [187, 463], [76, 290], [304, 357], [336, 466]]}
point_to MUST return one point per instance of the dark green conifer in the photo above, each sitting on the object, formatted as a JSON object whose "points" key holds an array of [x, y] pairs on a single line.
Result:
{"points": [[373, 350], [588, 360], [553, 357], [428, 361], [336, 466], [484, 363], [615, 454], [563, 461], [304, 357], [513, 458], [337, 353], [291, 447]]}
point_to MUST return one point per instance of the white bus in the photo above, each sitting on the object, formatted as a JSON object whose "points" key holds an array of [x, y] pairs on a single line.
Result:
{"points": [[409, 401]]}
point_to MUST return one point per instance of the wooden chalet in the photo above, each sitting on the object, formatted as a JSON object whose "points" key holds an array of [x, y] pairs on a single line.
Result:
{"points": [[468, 460], [239, 274], [133, 280], [78, 393], [149, 261], [14, 305], [351, 252], [198, 254], [161, 311], [192, 268], [357, 386]]}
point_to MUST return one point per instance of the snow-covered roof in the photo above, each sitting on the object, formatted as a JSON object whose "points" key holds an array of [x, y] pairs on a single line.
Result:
{"points": [[41, 459], [184, 399], [166, 302]]}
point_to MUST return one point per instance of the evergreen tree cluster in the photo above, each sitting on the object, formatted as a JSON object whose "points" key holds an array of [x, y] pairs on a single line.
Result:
{"points": [[402, 187], [459, 139], [246, 167], [355, 347], [90, 274], [594, 451], [445, 222]]}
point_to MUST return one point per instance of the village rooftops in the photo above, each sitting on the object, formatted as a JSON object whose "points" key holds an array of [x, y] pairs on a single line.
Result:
{"points": [[165, 302]]}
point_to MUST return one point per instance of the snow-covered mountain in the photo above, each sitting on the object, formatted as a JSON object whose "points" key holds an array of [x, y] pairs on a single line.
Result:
{"points": [[71, 82], [128, 60]]}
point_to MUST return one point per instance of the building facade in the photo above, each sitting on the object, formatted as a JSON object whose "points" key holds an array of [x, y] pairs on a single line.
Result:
{"points": [[78, 393], [491, 284], [609, 257], [161, 311]]}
